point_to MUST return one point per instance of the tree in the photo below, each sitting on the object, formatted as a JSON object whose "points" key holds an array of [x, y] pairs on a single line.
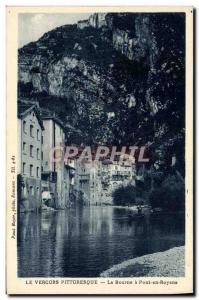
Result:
{"points": [[170, 195], [124, 195]]}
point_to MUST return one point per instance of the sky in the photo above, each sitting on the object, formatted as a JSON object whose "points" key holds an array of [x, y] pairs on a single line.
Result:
{"points": [[32, 26]]}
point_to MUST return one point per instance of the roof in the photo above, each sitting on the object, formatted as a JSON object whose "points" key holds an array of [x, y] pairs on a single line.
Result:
{"points": [[49, 115], [26, 105], [69, 167], [24, 108]]}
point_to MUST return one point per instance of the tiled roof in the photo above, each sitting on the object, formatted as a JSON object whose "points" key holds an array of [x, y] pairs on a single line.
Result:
{"points": [[47, 114], [24, 108], [26, 105]]}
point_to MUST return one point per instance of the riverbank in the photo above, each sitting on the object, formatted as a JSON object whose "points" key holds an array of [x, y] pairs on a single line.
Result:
{"points": [[133, 208], [169, 263]]}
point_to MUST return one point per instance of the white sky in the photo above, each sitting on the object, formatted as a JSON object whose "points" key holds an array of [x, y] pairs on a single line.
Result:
{"points": [[32, 26]]}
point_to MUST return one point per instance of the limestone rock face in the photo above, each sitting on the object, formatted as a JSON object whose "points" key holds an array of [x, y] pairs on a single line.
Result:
{"points": [[98, 20], [131, 65]]}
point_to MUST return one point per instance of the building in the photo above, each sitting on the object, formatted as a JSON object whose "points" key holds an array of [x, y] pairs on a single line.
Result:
{"points": [[115, 175], [82, 181], [53, 146], [95, 183], [69, 173], [97, 180], [30, 128], [87, 181]]}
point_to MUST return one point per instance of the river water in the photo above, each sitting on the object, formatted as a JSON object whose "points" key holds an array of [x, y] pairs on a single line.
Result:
{"points": [[83, 242]]}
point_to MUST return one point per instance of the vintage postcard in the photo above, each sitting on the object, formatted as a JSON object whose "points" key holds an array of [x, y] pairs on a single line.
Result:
{"points": [[100, 150]]}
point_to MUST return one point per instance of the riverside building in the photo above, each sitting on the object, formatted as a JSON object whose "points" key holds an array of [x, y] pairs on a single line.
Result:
{"points": [[30, 128], [53, 172]]}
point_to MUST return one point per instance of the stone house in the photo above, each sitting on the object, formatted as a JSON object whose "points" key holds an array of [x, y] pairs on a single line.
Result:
{"points": [[30, 127], [53, 167]]}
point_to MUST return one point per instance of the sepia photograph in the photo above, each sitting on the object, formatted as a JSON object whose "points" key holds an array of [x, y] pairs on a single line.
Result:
{"points": [[102, 143]]}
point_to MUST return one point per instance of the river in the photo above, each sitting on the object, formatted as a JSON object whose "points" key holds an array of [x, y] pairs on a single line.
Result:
{"points": [[83, 242]]}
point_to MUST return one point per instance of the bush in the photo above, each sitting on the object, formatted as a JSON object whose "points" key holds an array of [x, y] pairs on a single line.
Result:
{"points": [[156, 197], [170, 195], [124, 196]]}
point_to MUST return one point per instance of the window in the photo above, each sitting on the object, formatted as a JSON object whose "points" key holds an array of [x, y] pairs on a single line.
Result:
{"points": [[38, 135], [42, 139], [24, 168], [24, 126], [37, 171], [31, 130], [31, 150], [31, 170], [37, 191], [38, 156], [31, 191], [24, 146], [42, 155], [24, 191]]}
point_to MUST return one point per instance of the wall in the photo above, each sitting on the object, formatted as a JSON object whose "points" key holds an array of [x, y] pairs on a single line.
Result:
{"points": [[47, 145], [53, 136], [31, 188], [59, 166]]}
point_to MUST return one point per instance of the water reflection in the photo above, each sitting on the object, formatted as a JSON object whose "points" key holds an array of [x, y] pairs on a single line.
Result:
{"points": [[83, 242]]}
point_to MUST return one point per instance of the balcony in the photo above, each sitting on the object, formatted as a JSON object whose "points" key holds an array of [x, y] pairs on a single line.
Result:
{"points": [[49, 176]]}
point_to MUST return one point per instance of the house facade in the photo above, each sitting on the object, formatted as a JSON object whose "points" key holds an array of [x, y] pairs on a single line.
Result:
{"points": [[53, 169], [115, 175], [69, 173], [82, 181], [30, 128], [97, 180]]}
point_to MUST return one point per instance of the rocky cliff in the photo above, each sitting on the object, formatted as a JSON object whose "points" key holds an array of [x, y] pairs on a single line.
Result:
{"points": [[116, 78]]}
